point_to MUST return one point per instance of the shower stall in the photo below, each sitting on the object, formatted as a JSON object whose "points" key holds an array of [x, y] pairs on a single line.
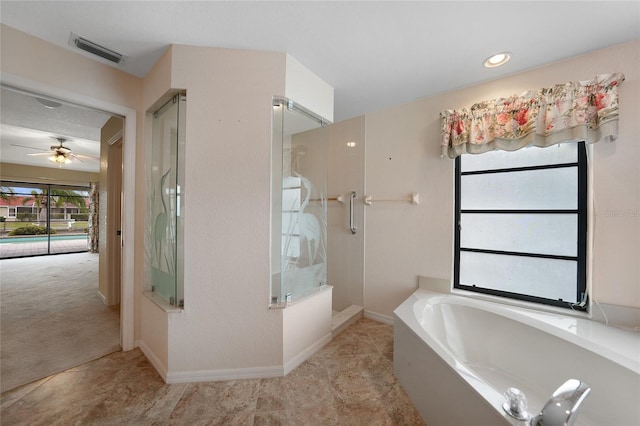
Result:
{"points": [[299, 202]]}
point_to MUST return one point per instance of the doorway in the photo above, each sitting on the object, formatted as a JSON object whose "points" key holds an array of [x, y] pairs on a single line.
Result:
{"points": [[128, 236], [26, 129]]}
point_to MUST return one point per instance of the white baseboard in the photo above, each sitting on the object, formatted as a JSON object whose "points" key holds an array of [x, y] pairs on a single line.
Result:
{"points": [[153, 359], [102, 298], [224, 374], [378, 317], [294, 362], [232, 373]]}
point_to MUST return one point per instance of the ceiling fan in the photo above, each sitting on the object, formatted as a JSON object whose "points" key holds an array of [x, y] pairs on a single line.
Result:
{"points": [[60, 154]]}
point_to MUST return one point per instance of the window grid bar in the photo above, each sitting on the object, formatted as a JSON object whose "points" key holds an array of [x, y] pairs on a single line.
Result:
{"points": [[519, 296], [520, 169], [521, 254], [518, 211]]}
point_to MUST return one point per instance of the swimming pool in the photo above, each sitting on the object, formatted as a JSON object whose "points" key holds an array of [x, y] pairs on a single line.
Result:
{"points": [[41, 238]]}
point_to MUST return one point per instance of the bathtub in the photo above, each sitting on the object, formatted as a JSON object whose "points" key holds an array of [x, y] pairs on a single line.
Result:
{"points": [[456, 356]]}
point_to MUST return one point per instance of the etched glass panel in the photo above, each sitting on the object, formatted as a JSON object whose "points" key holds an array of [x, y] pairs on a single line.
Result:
{"points": [[299, 208], [165, 221]]}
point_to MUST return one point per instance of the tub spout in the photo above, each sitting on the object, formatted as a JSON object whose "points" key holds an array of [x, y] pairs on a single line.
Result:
{"points": [[562, 408]]}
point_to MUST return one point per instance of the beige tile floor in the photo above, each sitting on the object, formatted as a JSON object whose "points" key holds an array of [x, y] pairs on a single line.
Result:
{"points": [[348, 382]]}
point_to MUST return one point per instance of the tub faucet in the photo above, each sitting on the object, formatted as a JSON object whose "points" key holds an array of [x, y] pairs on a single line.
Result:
{"points": [[562, 408]]}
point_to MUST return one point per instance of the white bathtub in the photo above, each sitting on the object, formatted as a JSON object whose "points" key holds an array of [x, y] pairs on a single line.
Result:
{"points": [[455, 356]]}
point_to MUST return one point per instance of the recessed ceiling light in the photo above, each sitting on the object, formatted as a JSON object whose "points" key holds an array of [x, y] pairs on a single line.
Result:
{"points": [[497, 59], [351, 144]]}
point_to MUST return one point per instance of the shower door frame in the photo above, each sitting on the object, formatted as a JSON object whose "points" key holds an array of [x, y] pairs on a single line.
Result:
{"points": [[281, 297]]}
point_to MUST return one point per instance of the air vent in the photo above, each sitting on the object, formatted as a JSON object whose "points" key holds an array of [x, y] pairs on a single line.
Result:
{"points": [[96, 49]]}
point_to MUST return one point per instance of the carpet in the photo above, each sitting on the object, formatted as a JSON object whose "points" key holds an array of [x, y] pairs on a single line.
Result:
{"points": [[51, 318]]}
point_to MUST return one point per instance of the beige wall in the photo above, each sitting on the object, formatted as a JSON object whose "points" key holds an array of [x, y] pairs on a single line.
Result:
{"points": [[402, 156], [227, 206], [24, 55], [226, 323]]}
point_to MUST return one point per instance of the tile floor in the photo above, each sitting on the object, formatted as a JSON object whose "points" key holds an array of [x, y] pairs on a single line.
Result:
{"points": [[348, 382], [20, 249]]}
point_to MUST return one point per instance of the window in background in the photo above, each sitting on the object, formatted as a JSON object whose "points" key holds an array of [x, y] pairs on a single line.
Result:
{"points": [[44, 219]]}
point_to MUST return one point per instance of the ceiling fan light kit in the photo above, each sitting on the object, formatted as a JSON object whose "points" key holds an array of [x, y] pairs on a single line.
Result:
{"points": [[59, 158], [60, 154]]}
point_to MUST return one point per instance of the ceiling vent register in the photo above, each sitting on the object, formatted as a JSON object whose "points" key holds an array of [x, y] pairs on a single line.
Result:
{"points": [[95, 49]]}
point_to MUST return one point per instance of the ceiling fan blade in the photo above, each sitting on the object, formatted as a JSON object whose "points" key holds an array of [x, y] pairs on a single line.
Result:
{"points": [[42, 153], [73, 157], [29, 147], [89, 157]]}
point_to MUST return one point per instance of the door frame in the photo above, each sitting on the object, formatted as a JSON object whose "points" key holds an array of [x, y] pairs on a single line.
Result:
{"points": [[127, 301], [114, 218]]}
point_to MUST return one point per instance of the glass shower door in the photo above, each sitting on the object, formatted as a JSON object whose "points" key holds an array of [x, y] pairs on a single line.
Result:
{"points": [[299, 229]]}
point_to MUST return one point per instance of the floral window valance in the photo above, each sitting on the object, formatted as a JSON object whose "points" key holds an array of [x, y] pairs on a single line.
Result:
{"points": [[580, 110]]}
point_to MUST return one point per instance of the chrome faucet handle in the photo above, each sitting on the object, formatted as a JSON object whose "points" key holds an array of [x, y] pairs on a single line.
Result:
{"points": [[562, 408], [516, 404]]}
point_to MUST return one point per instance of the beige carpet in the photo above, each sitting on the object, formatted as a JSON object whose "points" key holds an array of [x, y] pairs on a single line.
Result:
{"points": [[51, 317]]}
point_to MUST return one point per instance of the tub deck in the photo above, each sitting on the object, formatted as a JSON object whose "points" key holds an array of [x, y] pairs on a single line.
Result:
{"points": [[456, 356]]}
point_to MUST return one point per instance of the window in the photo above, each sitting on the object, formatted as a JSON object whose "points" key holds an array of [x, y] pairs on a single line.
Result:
{"points": [[521, 224], [46, 219]]}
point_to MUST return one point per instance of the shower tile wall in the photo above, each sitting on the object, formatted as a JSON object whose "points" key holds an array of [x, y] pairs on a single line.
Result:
{"points": [[346, 250]]}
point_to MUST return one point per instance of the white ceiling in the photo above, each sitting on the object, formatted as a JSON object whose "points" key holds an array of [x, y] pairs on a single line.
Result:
{"points": [[375, 54], [27, 127]]}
